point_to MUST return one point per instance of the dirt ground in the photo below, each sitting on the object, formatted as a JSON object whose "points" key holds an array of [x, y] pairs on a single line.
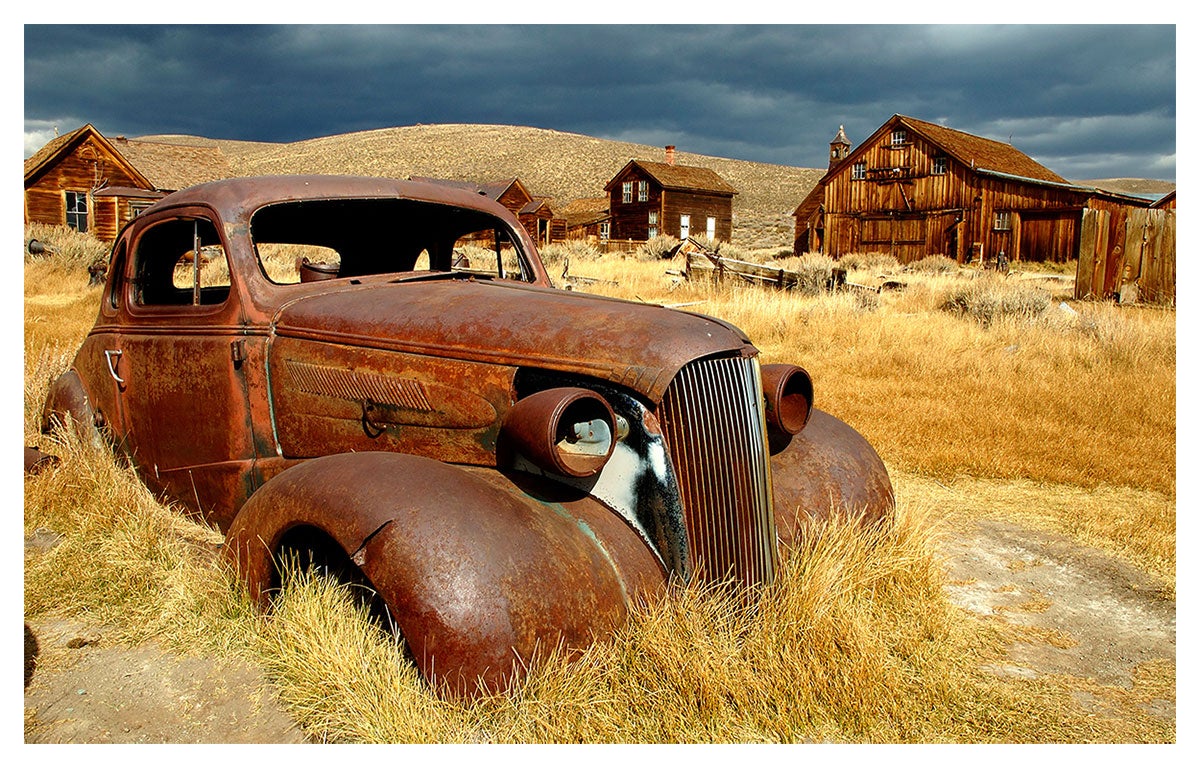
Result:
{"points": [[1093, 618]]}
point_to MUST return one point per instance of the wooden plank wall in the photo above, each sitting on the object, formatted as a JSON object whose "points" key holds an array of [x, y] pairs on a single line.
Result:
{"points": [[1132, 261]]}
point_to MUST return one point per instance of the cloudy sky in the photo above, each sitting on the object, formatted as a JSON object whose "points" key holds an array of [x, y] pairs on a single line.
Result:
{"points": [[1086, 101]]}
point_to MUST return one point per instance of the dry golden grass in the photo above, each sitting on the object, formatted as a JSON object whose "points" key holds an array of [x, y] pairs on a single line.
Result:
{"points": [[855, 641]]}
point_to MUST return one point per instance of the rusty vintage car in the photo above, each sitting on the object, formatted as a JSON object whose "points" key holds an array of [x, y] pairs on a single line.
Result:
{"points": [[379, 374]]}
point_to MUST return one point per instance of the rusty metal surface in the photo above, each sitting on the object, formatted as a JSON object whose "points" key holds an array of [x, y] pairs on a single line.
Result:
{"points": [[36, 460], [828, 468], [478, 574]]}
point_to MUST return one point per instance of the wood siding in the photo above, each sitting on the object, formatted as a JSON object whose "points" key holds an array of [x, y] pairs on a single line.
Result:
{"points": [[85, 168], [914, 199]]}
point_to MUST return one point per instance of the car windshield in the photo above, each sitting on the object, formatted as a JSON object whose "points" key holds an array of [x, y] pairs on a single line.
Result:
{"points": [[327, 239]]}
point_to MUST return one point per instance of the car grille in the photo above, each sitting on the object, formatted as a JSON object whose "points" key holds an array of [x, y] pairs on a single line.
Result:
{"points": [[713, 424]]}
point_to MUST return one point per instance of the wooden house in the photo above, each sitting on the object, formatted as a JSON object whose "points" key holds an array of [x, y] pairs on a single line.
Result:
{"points": [[914, 188], [647, 199], [534, 213], [93, 184]]}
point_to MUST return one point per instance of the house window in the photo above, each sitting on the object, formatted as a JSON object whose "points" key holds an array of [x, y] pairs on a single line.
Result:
{"points": [[627, 192], [711, 228], [858, 171], [899, 137], [643, 191], [604, 231], [1002, 222], [77, 211], [685, 226], [939, 164], [652, 220]]}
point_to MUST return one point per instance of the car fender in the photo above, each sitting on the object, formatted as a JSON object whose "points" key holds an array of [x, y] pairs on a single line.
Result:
{"points": [[480, 571], [827, 468], [69, 406]]}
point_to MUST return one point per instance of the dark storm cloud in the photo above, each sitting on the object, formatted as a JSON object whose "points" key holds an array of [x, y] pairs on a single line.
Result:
{"points": [[1087, 101]]}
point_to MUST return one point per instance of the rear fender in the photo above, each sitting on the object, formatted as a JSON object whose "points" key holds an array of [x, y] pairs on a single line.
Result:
{"points": [[480, 571], [827, 468], [68, 405]]}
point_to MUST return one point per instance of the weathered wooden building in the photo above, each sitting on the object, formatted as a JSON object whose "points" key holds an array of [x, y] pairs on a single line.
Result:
{"points": [[915, 188], [534, 212], [93, 184], [647, 199]]}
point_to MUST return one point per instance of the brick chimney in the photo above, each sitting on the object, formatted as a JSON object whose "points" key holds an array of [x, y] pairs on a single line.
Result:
{"points": [[670, 154]]}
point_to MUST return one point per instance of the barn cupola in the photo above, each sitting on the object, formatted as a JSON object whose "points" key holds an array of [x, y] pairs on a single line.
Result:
{"points": [[839, 148]]}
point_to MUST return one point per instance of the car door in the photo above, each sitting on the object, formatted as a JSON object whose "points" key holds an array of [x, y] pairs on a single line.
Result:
{"points": [[177, 360]]}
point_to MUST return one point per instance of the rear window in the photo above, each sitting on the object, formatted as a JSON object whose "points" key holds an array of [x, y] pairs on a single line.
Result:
{"points": [[330, 239]]}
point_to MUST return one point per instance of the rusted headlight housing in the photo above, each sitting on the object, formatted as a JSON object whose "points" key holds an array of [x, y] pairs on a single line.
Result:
{"points": [[568, 431], [788, 391]]}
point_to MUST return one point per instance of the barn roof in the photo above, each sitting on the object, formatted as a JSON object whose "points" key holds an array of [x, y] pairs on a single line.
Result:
{"points": [[173, 166], [978, 152], [972, 151], [685, 177]]}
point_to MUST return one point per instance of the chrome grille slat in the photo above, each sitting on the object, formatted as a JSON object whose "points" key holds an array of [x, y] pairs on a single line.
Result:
{"points": [[713, 425]]}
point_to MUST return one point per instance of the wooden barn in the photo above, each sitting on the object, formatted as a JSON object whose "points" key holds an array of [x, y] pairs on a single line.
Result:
{"points": [[647, 199], [93, 184], [534, 213], [914, 189]]}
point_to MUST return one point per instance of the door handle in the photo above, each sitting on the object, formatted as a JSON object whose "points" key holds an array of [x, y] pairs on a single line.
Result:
{"points": [[109, 354]]}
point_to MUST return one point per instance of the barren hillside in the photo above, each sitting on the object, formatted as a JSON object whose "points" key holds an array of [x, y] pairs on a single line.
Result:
{"points": [[559, 165]]}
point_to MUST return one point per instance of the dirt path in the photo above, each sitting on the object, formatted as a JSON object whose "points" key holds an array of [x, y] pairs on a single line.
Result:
{"points": [[1090, 617]]}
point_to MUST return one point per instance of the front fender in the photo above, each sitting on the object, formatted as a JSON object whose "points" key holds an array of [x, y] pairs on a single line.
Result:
{"points": [[480, 571], [827, 468]]}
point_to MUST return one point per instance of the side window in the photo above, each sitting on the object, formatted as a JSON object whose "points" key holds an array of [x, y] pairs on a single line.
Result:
{"points": [[77, 211], [180, 262]]}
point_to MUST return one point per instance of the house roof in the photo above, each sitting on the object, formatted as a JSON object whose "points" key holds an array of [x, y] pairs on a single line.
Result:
{"points": [[1164, 201], [174, 166], [161, 166], [686, 177], [61, 145], [492, 189], [972, 151]]}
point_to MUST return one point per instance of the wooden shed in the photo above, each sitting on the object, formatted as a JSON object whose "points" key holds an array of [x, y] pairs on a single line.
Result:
{"points": [[914, 189], [587, 219], [647, 199], [93, 184]]}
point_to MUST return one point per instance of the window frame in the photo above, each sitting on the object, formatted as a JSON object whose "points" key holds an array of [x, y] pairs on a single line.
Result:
{"points": [[899, 137], [941, 165], [858, 171], [627, 192], [72, 215], [643, 191], [1002, 221]]}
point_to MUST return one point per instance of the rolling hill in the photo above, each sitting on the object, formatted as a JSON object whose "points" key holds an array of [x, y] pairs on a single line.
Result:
{"points": [[562, 166], [559, 165]]}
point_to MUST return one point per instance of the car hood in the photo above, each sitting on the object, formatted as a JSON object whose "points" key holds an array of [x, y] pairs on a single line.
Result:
{"points": [[639, 346]]}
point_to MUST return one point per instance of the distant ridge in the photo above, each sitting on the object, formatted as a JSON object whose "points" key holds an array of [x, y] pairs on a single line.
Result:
{"points": [[559, 165], [562, 166]]}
